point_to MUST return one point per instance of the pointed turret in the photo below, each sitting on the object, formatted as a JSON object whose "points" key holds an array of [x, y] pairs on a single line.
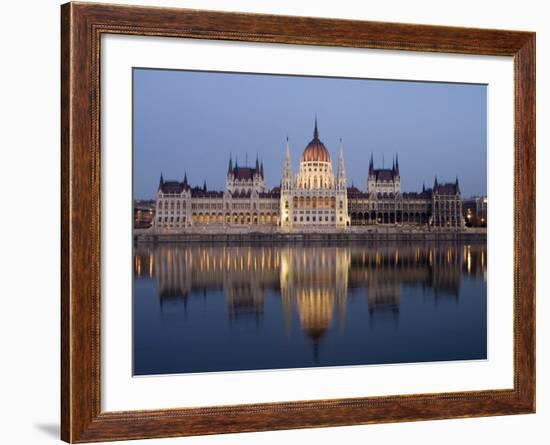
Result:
{"points": [[262, 169], [287, 149], [371, 163], [397, 164], [230, 167], [204, 186], [185, 179], [161, 181], [457, 186], [341, 175], [435, 183], [257, 166], [286, 179], [423, 187]]}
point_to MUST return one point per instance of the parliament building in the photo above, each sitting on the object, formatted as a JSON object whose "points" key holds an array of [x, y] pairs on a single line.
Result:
{"points": [[314, 198]]}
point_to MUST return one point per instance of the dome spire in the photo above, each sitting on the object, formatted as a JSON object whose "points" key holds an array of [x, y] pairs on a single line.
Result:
{"points": [[315, 130]]}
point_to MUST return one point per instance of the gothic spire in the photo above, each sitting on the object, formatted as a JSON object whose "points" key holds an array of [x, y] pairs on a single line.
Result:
{"points": [[161, 179], [286, 179], [435, 182], [371, 163], [185, 179], [457, 185], [341, 175], [397, 163], [230, 167], [257, 164], [287, 150], [204, 186]]}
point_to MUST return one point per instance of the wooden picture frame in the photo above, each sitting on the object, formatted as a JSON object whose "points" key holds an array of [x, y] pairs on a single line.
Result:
{"points": [[82, 25]]}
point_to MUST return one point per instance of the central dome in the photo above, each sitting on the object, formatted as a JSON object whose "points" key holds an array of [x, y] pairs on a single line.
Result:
{"points": [[316, 150]]}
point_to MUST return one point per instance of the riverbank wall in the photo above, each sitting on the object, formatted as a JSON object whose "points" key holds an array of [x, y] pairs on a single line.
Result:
{"points": [[311, 236]]}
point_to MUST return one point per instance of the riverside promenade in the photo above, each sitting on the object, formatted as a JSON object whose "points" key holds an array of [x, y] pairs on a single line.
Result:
{"points": [[314, 234]]}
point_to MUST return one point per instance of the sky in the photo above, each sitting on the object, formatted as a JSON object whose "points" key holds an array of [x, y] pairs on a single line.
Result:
{"points": [[191, 122]]}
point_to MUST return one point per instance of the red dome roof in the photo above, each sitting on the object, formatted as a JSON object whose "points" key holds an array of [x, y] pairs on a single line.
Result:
{"points": [[316, 150]]}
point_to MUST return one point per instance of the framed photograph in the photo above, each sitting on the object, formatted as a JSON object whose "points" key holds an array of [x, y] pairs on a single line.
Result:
{"points": [[274, 222]]}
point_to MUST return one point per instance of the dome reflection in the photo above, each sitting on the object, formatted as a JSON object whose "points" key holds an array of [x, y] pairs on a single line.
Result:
{"points": [[311, 284]]}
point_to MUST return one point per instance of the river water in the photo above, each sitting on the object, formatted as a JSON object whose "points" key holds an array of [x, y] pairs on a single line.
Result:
{"points": [[203, 308]]}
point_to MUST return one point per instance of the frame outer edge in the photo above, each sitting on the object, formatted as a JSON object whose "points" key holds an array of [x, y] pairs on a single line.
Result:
{"points": [[526, 247], [81, 417], [66, 47], [79, 229]]}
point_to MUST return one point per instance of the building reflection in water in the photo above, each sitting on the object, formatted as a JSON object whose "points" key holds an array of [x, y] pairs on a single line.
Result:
{"points": [[312, 281]]}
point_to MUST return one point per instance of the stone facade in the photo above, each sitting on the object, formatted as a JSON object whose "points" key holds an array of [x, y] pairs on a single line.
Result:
{"points": [[244, 203], [314, 197]]}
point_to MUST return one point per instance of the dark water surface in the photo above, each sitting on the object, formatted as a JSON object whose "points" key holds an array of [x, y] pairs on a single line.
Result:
{"points": [[201, 308]]}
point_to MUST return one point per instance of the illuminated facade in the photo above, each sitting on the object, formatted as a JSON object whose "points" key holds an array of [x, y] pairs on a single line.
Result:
{"points": [[475, 211], [314, 197], [244, 203], [384, 204]]}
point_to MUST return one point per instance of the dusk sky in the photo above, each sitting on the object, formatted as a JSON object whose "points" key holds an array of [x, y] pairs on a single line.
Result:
{"points": [[188, 121]]}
